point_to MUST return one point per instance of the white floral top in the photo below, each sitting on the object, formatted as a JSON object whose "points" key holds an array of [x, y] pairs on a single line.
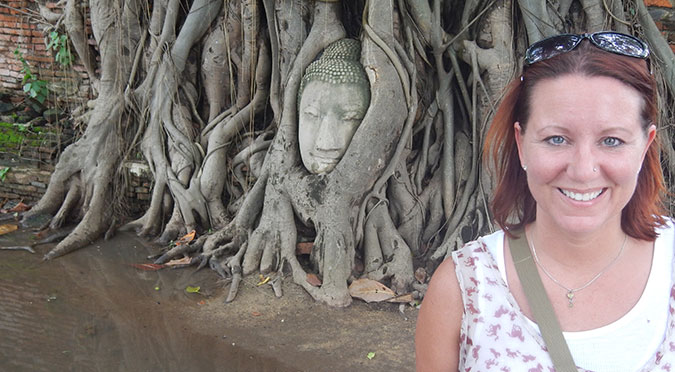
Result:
{"points": [[496, 335]]}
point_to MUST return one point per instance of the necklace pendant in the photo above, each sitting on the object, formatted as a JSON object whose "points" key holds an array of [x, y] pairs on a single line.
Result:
{"points": [[570, 299]]}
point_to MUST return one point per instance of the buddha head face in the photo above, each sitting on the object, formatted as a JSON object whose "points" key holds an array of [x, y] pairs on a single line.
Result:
{"points": [[333, 99]]}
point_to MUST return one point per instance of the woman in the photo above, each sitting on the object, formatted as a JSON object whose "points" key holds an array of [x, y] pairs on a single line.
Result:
{"points": [[578, 176]]}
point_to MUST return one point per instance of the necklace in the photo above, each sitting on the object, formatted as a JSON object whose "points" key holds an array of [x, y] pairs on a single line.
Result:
{"points": [[572, 291]]}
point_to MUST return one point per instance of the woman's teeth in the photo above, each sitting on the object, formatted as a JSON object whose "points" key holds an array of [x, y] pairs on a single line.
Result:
{"points": [[581, 197]]}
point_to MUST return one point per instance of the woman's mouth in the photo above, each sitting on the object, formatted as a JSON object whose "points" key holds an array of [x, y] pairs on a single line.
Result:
{"points": [[581, 197]]}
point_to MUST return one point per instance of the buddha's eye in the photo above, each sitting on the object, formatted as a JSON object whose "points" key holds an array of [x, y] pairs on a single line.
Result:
{"points": [[311, 112], [352, 116]]}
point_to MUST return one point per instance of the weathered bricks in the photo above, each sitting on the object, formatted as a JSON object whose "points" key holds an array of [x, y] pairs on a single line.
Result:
{"points": [[18, 31]]}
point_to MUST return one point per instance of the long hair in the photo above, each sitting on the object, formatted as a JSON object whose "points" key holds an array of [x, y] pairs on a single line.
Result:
{"points": [[513, 205]]}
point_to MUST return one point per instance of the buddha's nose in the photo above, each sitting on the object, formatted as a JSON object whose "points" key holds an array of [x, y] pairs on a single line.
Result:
{"points": [[329, 137]]}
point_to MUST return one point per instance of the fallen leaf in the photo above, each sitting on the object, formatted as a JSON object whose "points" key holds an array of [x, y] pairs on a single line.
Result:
{"points": [[370, 355], [263, 279], [156, 288], [304, 248], [255, 313], [186, 238], [182, 261], [190, 289], [370, 290], [21, 207], [202, 302], [403, 298], [148, 266], [421, 275], [313, 280], [4, 229]]}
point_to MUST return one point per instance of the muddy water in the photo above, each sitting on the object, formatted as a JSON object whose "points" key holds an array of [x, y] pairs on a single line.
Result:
{"points": [[92, 311]]}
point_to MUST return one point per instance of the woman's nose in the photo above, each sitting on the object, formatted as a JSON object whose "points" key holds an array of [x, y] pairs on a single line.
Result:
{"points": [[583, 165]]}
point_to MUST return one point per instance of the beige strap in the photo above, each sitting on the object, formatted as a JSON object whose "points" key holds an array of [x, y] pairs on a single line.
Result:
{"points": [[540, 304]]}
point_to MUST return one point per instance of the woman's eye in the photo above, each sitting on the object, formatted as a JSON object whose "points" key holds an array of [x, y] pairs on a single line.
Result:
{"points": [[556, 140], [611, 141]]}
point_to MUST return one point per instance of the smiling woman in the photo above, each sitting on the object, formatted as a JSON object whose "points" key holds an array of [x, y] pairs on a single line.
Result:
{"points": [[583, 147], [579, 196]]}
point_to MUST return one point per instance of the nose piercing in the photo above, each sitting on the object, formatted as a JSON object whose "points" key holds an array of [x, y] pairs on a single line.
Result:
{"points": [[525, 167], [595, 169]]}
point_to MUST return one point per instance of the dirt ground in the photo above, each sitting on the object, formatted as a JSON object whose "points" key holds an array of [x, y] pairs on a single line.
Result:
{"points": [[92, 310]]}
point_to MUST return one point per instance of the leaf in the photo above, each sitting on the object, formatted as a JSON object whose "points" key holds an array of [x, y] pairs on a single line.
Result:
{"points": [[190, 289], [21, 207], [304, 248], [148, 266], [370, 355], [421, 275], [263, 279], [255, 313], [313, 280], [370, 290], [3, 175], [4, 229], [182, 261], [186, 238], [157, 288], [403, 298]]}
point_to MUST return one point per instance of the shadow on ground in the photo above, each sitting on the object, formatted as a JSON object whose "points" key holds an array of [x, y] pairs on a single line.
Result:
{"points": [[93, 311]]}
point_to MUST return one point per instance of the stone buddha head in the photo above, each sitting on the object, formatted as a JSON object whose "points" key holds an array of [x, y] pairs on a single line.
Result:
{"points": [[333, 98]]}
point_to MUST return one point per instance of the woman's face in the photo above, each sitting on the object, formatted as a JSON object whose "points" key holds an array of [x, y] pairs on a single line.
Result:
{"points": [[583, 147], [329, 115]]}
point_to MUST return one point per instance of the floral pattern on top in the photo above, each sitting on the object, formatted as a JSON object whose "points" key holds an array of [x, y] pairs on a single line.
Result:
{"points": [[495, 334]]}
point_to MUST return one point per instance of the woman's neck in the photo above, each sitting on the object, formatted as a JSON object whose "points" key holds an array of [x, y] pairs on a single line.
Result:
{"points": [[573, 248]]}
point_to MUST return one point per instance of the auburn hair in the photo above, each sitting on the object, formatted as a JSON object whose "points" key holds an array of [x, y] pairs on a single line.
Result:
{"points": [[513, 205]]}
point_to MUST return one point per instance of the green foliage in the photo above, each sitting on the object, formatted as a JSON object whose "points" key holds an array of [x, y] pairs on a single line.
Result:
{"points": [[32, 86], [59, 43], [191, 289], [22, 127], [18, 136], [3, 173]]}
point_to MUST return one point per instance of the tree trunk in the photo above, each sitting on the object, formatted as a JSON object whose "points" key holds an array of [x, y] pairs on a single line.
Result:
{"points": [[207, 92]]}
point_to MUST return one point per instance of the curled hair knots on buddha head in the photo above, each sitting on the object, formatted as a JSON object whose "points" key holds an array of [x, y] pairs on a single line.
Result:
{"points": [[338, 64]]}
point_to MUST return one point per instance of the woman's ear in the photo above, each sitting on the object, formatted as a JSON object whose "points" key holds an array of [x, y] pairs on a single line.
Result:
{"points": [[518, 133], [651, 134]]}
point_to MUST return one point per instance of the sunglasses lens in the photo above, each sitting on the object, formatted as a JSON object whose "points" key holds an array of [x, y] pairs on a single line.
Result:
{"points": [[551, 47], [621, 44]]}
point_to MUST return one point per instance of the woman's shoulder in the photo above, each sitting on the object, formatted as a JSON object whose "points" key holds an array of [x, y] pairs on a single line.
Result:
{"points": [[666, 232], [439, 321], [486, 244]]}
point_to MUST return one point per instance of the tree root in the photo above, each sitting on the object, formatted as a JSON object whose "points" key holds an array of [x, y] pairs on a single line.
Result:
{"points": [[386, 254]]}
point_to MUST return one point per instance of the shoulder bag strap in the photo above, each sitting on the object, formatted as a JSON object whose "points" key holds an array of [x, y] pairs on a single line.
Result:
{"points": [[540, 304]]}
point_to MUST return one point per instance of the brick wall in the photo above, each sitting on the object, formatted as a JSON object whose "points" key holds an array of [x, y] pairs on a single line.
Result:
{"points": [[664, 15], [20, 28], [28, 183], [24, 183]]}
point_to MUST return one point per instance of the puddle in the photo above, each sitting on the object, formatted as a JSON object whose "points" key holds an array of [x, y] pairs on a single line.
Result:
{"points": [[92, 311]]}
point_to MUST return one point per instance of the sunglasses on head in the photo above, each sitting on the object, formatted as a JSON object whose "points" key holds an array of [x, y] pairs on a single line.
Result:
{"points": [[610, 41]]}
